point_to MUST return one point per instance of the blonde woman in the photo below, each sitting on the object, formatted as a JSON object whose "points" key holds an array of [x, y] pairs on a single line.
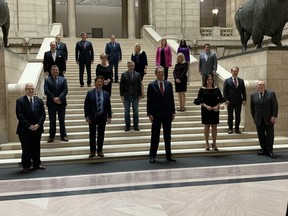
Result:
{"points": [[140, 59], [180, 76]]}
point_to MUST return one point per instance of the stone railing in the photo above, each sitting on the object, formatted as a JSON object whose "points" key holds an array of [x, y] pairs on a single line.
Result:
{"points": [[32, 73], [216, 32]]}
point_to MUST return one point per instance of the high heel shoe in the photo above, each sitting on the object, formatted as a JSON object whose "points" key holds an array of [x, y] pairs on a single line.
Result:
{"points": [[207, 147], [215, 148]]}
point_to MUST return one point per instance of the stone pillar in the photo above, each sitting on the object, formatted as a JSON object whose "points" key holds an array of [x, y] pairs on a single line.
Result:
{"points": [[124, 19], [131, 19], [71, 13]]}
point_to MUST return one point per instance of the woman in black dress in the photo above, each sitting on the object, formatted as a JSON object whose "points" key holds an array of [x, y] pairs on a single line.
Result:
{"points": [[180, 76], [104, 70], [210, 98], [140, 60]]}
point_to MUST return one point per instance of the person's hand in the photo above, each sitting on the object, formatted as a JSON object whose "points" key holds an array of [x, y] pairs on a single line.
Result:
{"points": [[216, 108], [273, 119], [151, 118], [88, 120], [178, 80], [243, 103], [122, 99], [109, 120], [227, 102], [173, 116]]}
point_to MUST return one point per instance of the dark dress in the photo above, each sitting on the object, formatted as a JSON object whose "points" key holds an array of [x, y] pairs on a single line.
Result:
{"points": [[107, 73], [180, 72], [210, 97], [140, 61]]}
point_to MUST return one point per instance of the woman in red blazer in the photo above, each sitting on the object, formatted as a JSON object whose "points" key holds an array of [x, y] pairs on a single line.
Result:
{"points": [[164, 57]]}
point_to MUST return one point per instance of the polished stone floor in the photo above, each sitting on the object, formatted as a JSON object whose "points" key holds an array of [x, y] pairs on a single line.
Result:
{"points": [[227, 185]]}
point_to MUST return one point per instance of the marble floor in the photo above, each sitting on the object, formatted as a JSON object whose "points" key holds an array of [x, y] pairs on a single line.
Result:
{"points": [[241, 189]]}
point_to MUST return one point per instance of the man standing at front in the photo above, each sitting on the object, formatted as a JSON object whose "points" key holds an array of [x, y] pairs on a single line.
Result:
{"points": [[31, 116], [235, 93], [56, 89], [160, 110], [130, 92], [97, 107], [84, 56], [264, 110], [113, 50]]}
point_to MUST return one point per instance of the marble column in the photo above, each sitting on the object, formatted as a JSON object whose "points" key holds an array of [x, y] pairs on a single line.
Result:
{"points": [[131, 19], [124, 19], [71, 13]]}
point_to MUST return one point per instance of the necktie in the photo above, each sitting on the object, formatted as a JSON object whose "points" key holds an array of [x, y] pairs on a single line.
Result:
{"points": [[84, 44], [161, 88], [31, 104], [235, 82], [98, 103], [131, 75], [261, 95]]}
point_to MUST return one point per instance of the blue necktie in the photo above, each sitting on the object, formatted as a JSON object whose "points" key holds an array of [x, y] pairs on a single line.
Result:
{"points": [[98, 103]]}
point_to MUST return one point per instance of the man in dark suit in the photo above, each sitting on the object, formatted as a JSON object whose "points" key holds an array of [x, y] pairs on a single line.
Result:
{"points": [[61, 46], [113, 50], [56, 89], [264, 110], [97, 107], [207, 62], [84, 55], [54, 57], [31, 115], [130, 92], [235, 94], [160, 110]]}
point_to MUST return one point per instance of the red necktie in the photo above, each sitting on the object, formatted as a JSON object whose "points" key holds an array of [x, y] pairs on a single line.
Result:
{"points": [[161, 88]]}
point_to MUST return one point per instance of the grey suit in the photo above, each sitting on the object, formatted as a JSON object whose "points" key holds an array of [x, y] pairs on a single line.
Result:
{"points": [[262, 109], [207, 65]]}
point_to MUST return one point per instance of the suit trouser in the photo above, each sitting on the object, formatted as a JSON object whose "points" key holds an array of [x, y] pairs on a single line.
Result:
{"points": [[52, 110], [81, 72], [265, 136], [30, 144], [230, 109], [155, 135], [98, 124], [115, 65], [135, 104]]}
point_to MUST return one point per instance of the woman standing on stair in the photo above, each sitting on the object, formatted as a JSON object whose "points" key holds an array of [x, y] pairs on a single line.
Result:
{"points": [[104, 70], [140, 59], [164, 57], [210, 98]]}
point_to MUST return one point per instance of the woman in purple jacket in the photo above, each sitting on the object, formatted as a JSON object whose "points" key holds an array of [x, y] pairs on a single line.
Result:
{"points": [[183, 48]]}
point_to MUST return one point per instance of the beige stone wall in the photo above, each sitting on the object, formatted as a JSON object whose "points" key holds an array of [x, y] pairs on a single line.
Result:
{"points": [[31, 18]]}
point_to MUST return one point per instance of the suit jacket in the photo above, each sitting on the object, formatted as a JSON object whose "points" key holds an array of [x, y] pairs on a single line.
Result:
{"points": [[168, 56], [264, 108], [207, 67], [90, 105], [114, 52], [62, 47], [233, 94], [140, 62], [27, 116], [84, 54], [53, 89], [130, 87], [158, 105], [60, 61]]}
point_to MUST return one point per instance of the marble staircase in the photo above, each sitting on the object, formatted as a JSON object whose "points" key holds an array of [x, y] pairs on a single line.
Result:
{"points": [[187, 130]]}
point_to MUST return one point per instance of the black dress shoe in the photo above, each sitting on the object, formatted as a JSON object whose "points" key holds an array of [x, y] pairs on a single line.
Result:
{"points": [[50, 139], [238, 132], [271, 155], [65, 139], [100, 154], [127, 129], [261, 152], [92, 154], [40, 167], [137, 129], [152, 160], [25, 170], [230, 131], [170, 158]]}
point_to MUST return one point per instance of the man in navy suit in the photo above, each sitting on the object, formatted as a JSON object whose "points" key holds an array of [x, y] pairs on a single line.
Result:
{"points": [[61, 46], [207, 62], [56, 89], [235, 94], [54, 57], [264, 110], [31, 115], [97, 107], [113, 50], [160, 110], [130, 92], [84, 56]]}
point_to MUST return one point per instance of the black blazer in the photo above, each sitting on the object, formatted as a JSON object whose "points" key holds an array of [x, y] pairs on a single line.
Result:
{"points": [[130, 87], [264, 108], [52, 90], [231, 93], [84, 55], [140, 62], [158, 105], [90, 105], [27, 116], [62, 47], [59, 61], [114, 53]]}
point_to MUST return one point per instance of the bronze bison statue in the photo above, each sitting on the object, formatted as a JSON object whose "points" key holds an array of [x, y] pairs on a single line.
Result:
{"points": [[4, 21], [257, 18]]}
